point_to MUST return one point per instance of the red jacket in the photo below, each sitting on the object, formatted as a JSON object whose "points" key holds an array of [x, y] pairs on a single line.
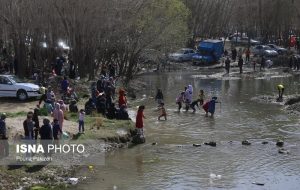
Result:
{"points": [[139, 119], [122, 98]]}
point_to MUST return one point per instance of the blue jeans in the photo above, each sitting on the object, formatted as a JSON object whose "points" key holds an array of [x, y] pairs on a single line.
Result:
{"points": [[81, 126]]}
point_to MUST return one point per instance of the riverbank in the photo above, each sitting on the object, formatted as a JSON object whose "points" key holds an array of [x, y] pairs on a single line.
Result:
{"points": [[115, 133]]}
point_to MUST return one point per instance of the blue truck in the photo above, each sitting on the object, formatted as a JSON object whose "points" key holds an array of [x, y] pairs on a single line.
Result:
{"points": [[208, 52]]}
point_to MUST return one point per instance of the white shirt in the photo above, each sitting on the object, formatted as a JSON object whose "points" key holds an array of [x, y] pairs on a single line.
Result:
{"points": [[81, 116]]}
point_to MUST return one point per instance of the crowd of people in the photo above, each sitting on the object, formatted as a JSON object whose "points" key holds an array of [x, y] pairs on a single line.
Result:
{"points": [[103, 99], [243, 57], [184, 98]]}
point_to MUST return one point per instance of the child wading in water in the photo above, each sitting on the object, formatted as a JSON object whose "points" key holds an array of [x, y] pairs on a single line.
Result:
{"points": [[195, 103], [180, 100], [81, 121], [163, 112], [139, 123], [210, 106], [201, 97]]}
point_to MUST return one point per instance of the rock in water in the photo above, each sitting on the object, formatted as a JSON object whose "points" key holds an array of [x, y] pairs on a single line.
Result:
{"points": [[283, 151], [155, 143], [279, 143], [211, 143], [245, 142], [264, 142], [138, 139], [196, 145], [256, 183]]}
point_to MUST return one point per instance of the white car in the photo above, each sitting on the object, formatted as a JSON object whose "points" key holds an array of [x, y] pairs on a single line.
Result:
{"points": [[11, 86]]}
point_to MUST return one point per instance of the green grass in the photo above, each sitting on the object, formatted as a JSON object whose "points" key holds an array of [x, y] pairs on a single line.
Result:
{"points": [[98, 127], [16, 114], [43, 187]]}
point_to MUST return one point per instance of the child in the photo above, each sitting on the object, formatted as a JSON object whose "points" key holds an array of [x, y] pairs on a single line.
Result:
{"points": [[139, 124], [163, 112], [122, 98], [195, 103], [56, 129], [201, 97], [210, 106], [81, 121], [179, 100]]}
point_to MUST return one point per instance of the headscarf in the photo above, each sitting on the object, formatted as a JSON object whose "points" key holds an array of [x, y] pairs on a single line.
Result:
{"points": [[57, 106]]}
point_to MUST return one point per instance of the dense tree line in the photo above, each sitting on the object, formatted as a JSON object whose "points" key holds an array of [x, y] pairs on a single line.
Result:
{"points": [[100, 32], [268, 19]]}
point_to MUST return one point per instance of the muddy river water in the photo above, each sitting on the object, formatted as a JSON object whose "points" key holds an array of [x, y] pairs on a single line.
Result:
{"points": [[175, 164]]}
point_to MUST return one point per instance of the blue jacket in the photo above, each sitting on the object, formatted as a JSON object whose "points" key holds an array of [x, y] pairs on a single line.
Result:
{"points": [[212, 106]]}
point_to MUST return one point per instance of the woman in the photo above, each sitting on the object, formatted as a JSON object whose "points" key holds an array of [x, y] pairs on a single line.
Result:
{"points": [[59, 115], [188, 95], [139, 124]]}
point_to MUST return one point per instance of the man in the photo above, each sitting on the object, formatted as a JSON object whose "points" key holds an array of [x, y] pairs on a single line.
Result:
{"points": [[240, 64], [233, 54], [280, 88], [262, 63], [247, 55], [227, 65]]}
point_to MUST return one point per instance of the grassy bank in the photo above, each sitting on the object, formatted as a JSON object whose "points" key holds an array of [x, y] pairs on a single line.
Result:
{"points": [[98, 127], [34, 177]]}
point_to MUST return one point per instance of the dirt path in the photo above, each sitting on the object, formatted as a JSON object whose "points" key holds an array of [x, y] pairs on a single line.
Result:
{"points": [[14, 105]]}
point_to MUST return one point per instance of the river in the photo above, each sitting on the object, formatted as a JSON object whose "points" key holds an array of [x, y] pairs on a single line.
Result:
{"points": [[175, 164]]}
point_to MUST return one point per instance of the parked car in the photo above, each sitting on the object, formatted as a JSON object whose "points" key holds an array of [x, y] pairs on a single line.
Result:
{"points": [[11, 86], [237, 35], [263, 50], [244, 41], [280, 50], [184, 54]]}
